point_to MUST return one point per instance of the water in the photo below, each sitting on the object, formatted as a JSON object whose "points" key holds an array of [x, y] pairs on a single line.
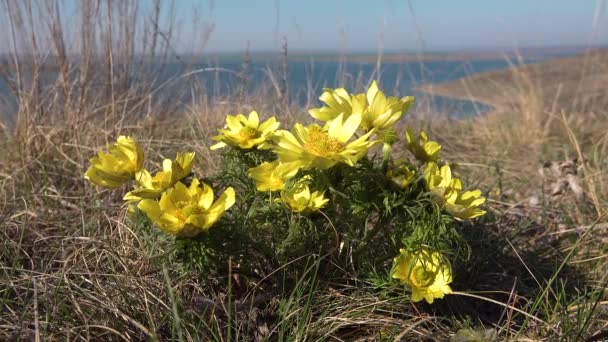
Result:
{"points": [[306, 80]]}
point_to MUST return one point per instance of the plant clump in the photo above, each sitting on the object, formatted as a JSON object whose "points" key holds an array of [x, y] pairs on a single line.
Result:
{"points": [[314, 191]]}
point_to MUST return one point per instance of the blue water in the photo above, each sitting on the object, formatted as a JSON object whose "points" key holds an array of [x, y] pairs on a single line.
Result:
{"points": [[306, 80], [183, 84]]}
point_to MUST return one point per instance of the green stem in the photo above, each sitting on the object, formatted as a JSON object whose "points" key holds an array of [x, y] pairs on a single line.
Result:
{"points": [[386, 156], [382, 223]]}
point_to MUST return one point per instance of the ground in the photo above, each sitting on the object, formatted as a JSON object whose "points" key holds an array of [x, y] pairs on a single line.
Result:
{"points": [[74, 267]]}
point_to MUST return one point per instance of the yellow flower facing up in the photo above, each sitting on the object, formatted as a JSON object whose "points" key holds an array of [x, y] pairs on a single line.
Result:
{"points": [[273, 176], [425, 273], [153, 186], [401, 176], [246, 133], [383, 112], [299, 199], [113, 169], [422, 148], [187, 211], [322, 148]]}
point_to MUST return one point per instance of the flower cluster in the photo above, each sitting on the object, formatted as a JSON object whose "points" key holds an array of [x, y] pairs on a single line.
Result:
{"points": [[164, 198], [315, 175], [186, 211]]}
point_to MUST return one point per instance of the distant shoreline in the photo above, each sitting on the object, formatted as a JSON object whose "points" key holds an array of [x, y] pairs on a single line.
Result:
{"points": [[551, 84], [53, 62], [438, 89]]}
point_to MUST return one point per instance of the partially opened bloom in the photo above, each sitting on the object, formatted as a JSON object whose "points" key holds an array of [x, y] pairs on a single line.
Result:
{"points": [[439, 181], [338, 101], [182, 166], [425, 272], [273, 176], [322, 148], [118, 165], [383, 112], [465, 204], [246, 133], [447, 190], [421, 147], [402, 176], [377, 110], [187, 211], [300, 200], [149, 186]]}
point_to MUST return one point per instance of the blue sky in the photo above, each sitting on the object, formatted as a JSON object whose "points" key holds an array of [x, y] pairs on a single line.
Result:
{"points": [[357, 25], [350, 26]]}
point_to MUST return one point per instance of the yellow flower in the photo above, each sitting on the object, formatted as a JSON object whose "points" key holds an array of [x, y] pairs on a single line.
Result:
{"points": [[182, 166], [273, 176], [187, 211], [300, 200], [383, 112], [112, 169], [439, 181], [378, 111], [322, 148], [421, 147], [425, 273], [402, 176], [448, 192], [153, 186], [338, 101], [465, 205], [246, 133]]}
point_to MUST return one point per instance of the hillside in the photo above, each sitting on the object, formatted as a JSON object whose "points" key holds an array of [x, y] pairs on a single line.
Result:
{"points": [[573, 84]]}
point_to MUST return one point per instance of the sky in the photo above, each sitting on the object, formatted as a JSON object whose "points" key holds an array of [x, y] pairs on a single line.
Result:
{"points": [[394, 25], [350, 26]]}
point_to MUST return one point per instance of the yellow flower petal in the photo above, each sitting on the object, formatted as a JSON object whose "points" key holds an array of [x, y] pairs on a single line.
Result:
{"points": [[254, 119], [206, 197], [150, 208], [273, 176], [372, 91], [215, 211]]}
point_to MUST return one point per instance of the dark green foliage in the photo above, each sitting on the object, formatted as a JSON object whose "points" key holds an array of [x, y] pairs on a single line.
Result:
{"points": [[361, 229]]}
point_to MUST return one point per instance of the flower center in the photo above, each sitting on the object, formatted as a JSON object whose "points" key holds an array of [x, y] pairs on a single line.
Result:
{"points": [[421, 277], [321, 144], [180, 215], [276, 181], [247, 133]]}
